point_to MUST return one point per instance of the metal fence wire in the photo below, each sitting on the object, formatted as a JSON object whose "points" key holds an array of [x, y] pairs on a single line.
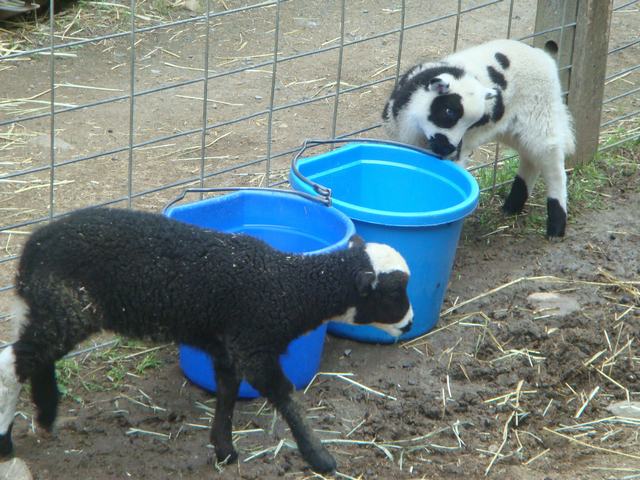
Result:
{"points": [[126, 103]]}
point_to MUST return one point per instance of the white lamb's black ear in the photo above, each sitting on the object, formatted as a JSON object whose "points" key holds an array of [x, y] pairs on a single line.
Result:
{"points": [[439, 86], [356, 241], [364, 282], [491, 93]]}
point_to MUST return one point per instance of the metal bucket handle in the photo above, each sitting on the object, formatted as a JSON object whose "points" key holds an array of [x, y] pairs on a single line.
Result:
{"points": [[323, 200], [323, 191]]}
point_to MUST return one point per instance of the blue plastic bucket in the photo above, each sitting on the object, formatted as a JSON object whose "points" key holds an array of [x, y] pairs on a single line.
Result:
{"points": [[289, 223], [404, 197]]}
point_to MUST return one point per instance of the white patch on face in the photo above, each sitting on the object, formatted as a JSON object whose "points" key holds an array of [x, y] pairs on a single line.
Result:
{"points": [[9, 388], [475, 104], [385, 259], [395, 330]]}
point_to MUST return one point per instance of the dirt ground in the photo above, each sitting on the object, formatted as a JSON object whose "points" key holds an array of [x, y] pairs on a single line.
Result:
{"points": [[503, 385], [494, 363]]}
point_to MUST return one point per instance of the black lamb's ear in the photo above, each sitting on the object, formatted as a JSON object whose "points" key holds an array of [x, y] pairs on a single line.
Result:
{"points": [[356, 241], [364, 282]]}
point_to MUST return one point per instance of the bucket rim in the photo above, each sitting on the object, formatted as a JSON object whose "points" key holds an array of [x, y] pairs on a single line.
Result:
{"points": [[454, 213], [285, 195]]}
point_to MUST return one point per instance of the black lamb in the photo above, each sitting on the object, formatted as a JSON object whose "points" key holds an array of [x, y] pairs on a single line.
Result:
{"points": [[146, 276]]}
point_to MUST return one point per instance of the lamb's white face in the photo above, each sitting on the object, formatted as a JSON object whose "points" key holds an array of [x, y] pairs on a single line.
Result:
{"points": [[384, 302], [446, 109]]}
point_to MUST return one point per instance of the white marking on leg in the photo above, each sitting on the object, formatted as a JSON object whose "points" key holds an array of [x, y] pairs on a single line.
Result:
{"points": [[9, 388], [556, 178], [20, 314], [528, 171]]}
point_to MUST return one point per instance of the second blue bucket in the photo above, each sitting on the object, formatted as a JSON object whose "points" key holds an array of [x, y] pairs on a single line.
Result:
{"points": [[403, 197], [287, 222]]}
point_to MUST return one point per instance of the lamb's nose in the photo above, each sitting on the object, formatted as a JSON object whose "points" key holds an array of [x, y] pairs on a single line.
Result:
{"points": [[440, 145]]}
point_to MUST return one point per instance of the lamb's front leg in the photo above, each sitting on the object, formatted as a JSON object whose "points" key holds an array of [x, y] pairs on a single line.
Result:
{"points": [[522, 186], [267, 377], [227, 383]]}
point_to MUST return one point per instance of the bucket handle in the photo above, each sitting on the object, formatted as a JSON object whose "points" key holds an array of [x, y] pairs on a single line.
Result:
{"points": [[323, 200], [323, 191]]}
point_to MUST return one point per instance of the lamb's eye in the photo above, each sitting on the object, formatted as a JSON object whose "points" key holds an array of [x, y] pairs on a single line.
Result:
{"points": [[449, 112]]}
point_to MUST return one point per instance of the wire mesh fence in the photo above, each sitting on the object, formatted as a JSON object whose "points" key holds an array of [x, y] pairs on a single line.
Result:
{"points": [[126, 103]]}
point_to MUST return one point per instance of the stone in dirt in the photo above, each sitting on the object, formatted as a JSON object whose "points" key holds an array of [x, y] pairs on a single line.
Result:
{"points": [[555, 304], [195, 6], [15, 469], [625, 409]]}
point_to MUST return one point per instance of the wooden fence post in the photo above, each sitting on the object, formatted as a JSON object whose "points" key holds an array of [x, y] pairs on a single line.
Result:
{"points": [[557, 19], [579, 32], [589, 65]]}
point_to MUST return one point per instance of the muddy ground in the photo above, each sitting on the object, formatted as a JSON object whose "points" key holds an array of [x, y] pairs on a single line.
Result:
{"points": [[505, 385], [496, 362]]}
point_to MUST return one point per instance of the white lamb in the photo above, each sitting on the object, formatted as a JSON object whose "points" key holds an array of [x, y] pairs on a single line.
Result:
{"points": [[502, 90]]}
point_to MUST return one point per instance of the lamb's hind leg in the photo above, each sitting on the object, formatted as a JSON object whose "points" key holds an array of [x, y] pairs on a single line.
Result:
{"points": [[556, 180], [227, 391], [58, 316], [266, 376], [38, 367], [45, 395]]}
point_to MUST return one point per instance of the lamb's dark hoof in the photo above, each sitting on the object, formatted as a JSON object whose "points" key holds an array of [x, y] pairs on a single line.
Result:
{"points": [[226, 455], [517, 197], [321, 461], [556, 219], [6, 445]]}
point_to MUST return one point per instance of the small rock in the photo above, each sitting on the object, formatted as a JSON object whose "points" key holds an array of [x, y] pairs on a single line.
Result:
{"points": [[194, 6], [499, 315], [15, 469], [553, 303], [625, 409], [347, 352], [258, 97], [306, 23], [45, 142], [626, 300]]}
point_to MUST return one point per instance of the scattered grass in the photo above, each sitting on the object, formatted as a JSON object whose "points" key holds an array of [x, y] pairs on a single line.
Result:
{"points": [[105, 370], [587, 188], [150, 361], [67, 374]]}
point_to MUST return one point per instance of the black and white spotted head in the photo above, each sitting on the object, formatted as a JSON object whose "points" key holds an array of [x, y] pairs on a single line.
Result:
{"points": [[438, 105], [446, 108], [382, 291]]}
